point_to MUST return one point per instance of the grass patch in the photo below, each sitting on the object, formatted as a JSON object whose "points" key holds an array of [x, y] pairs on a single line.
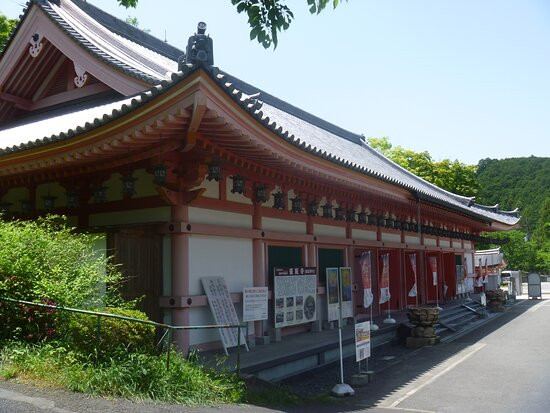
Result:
{"points": [[131, 375]]}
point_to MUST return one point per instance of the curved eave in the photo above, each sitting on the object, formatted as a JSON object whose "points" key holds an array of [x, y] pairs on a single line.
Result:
{"points": [[253, 108]]}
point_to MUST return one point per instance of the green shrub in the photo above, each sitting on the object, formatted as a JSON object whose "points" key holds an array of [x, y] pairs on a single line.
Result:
{"points": [[45, 261], [132, 375], [80, 332]]}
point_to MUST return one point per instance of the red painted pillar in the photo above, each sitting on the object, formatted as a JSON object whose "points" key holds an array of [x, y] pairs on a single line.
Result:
{"points": [[258, 261], [180, 276]]}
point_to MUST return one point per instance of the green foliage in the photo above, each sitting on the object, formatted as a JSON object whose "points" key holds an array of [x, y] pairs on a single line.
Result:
{"points": [[45, 261], [268, 17], [79, 331], [453, 176], [6, 27], [522, 183], [133, 375], [128, 3], [133, 21]]}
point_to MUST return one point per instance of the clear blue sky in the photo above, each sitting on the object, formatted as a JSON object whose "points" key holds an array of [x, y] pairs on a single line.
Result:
{"points": [[462, 79]]}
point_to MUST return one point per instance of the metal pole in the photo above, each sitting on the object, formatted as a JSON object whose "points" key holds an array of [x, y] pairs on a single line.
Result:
{"points": [[239, 350], [97, 337], [168, 349], [340, 326]]}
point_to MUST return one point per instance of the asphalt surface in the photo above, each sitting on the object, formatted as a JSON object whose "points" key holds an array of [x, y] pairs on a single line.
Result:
{"points": [[502, 366]]}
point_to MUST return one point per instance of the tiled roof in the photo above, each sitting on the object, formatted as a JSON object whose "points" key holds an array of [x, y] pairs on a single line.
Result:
{"points": [[113, 49], [292, 124]]}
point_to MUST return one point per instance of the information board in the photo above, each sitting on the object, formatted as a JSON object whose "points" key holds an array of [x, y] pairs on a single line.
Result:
{"points": [[254, 303], [335, 277], [295, 296], [222, 309], [362, 340]]}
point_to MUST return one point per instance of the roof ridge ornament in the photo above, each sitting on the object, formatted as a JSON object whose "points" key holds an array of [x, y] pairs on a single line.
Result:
{"points": [[199, 49]]}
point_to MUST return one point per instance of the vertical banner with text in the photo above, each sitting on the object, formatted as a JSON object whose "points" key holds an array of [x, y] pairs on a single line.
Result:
{"points": [[412, 259], [366, 277], [433, 267], [385, 279]]}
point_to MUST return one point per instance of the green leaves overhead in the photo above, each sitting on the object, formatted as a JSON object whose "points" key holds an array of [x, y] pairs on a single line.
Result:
{"points": [[267, 18], [128, 3]]}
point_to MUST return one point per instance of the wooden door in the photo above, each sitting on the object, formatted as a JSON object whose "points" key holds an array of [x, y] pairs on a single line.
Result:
{"points": [[139, 253]]}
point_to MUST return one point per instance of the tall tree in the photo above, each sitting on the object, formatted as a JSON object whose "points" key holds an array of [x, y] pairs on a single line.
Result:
{"points": [[6, 27], [453, 176]]}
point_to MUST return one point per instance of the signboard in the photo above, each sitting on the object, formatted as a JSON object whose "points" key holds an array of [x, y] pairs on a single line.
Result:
{"points": [[362, 340], [222, 309], [366, 277], [345, 283], [332, 294], [254, 303], [335, 277], [295, 296]]}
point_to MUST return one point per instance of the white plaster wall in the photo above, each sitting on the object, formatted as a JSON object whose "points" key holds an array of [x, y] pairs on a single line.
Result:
{"points": [[14, 196], [211, 256], [160, 214], [49, 189], [444, 243], [391, 237], [329, 230], [212, 189], [432, 242], [203, 316], [114, 188], [235, 197], [412, 240], [283, 225], [223, 218], [469, 257], [362, 234], [467, 245], [456, 243], [144, 183]]}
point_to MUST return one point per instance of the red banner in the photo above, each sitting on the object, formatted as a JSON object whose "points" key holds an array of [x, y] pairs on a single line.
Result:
{"points": [[385, 279], [433, 267], [366, 269]]}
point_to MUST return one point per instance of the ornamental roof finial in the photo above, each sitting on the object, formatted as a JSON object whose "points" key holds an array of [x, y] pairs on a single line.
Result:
{"points": [[199, 48]]}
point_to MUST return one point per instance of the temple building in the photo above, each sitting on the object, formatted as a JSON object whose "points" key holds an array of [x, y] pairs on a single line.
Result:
{"points": [[190, 172]]}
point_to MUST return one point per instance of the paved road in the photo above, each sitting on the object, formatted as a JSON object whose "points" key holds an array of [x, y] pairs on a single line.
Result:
{"points": [[503, 366]]}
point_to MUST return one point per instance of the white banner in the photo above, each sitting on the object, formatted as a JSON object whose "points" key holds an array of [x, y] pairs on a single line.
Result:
{"points": [[254, 303]]}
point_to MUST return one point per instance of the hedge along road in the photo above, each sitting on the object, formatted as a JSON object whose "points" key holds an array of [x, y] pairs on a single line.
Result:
{"points": [[502, 366]]}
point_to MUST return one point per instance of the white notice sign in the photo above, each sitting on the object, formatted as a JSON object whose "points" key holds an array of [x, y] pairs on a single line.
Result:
{"points": [[222, 309], [362, 340], [254, 303]]}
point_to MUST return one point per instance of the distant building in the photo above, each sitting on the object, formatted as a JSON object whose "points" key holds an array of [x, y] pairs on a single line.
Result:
{"points": [[189, 172]]}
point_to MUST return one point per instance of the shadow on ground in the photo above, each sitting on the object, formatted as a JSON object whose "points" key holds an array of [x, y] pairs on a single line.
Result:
{"points": [[392, 372]]}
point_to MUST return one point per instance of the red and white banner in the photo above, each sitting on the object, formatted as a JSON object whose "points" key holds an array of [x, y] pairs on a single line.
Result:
{"points": [[385, 279], [412, 259], [433, 267], [366, 277]]}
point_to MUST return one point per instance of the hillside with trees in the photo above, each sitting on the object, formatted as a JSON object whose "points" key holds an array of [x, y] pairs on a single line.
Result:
{"points": [[522, 183]]}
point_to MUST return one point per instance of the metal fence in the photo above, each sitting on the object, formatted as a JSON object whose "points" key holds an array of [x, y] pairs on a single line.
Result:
{"points": [[165, 340]]}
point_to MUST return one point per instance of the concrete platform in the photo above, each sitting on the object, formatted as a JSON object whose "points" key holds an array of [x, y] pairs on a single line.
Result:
{"points": [[302, 352]]}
